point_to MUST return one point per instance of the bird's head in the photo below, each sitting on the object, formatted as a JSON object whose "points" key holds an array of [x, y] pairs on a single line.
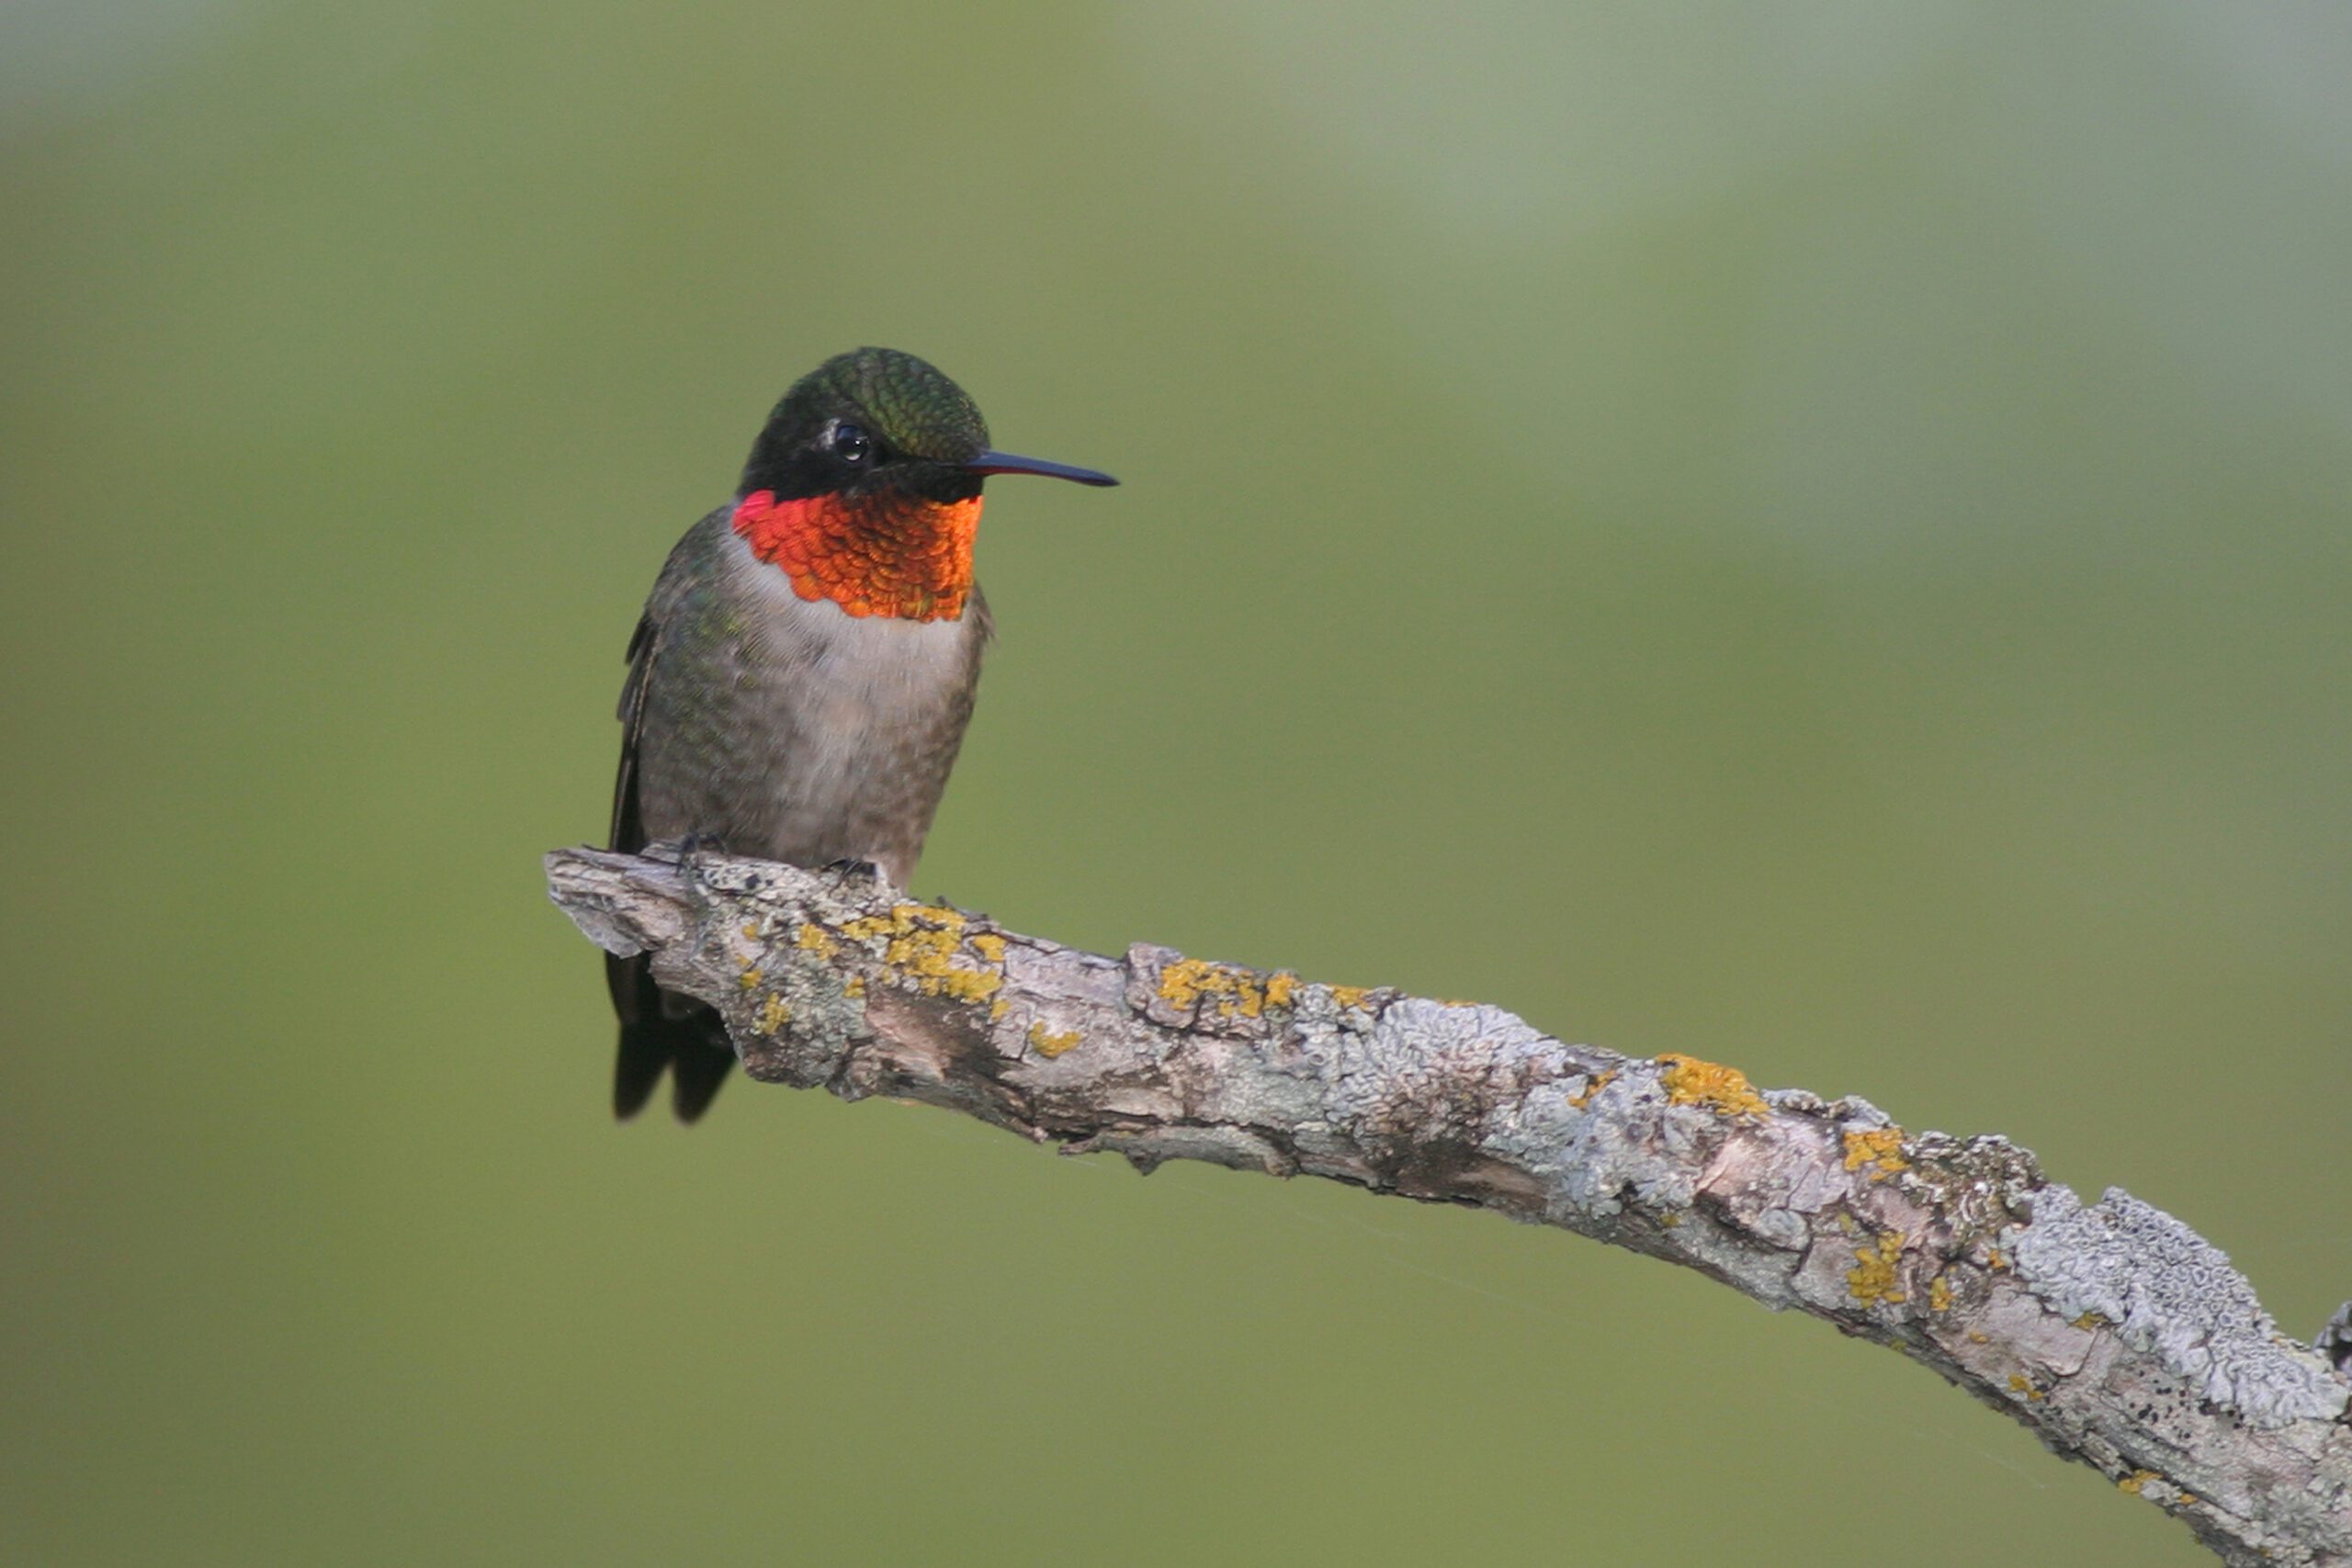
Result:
{"points": [[864, 486]]}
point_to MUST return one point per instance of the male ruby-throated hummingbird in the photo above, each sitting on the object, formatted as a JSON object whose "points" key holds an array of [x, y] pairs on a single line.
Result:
{"points": [[799, 682]]}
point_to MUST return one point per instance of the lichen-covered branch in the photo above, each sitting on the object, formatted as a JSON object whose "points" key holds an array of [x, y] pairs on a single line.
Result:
{"points": [[2112, 1330]]}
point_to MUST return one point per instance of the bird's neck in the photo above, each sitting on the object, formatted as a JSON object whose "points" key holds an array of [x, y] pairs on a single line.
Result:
{"points": [[899, 556]]}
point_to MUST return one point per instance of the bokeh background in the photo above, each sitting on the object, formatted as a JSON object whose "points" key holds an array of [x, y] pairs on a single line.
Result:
{"points": [[1812, 534]]}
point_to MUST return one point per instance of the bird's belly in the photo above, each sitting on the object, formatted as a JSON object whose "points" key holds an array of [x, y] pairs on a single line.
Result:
{"points": [[823, 737], [854, 786]]}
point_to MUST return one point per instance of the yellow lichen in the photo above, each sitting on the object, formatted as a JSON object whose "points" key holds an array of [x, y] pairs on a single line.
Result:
{"points": [[916, 945], [1880, 1148], [1050, 1046], [2131, 1482], [1976, 1338], [998, 1009], [814, 938], [988, 945], [1592, 1086], [901, 919], [1873, 1279], [750, 978], [854, 986], [1939, 1295], [1179, 983], [1236, 992], [1348, 997], [1994, 1260], [1279, 988], [1690, 1081], [2018, 1385], [751, 932], [924, 960], [964, 985], [774, 1012], [920, 942], [2089, 1320]]}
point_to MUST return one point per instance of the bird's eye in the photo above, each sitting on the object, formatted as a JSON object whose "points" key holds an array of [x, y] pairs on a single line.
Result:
{"points": [[851, 443]]}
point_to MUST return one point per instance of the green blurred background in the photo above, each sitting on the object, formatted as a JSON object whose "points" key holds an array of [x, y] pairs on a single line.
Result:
{"points": [[1812, 534]]}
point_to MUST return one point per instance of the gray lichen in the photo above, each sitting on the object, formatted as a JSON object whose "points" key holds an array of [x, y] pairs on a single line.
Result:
{"points": [[2169, 1290]]}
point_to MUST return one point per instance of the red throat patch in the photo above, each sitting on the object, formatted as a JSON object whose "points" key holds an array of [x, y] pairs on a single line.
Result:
{"points": [[896, 555]]}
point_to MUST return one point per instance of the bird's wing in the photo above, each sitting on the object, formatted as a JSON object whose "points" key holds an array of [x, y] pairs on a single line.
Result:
{"points": [[634, 997], [654, 1033], [628, 830]]}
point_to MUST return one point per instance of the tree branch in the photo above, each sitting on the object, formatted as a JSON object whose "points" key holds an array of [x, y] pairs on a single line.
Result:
{"points": [[2111, 1330]]}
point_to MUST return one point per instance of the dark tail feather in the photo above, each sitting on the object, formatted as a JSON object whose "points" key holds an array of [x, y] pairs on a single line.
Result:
{"points": [[696, 1073], [693, 1045], [643, 1054], [698, 1067]]}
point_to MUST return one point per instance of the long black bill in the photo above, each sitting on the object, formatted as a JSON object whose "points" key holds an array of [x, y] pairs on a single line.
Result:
{"points": [[993, 462]]}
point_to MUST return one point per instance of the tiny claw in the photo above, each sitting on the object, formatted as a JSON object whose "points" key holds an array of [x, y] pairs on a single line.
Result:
{"points": [[690, 852], [669, 852], [846, 871], [684, 851], [946, 903]]}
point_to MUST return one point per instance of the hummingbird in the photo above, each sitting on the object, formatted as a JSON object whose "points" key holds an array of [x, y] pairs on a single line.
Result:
{"points": [[800, 679]]}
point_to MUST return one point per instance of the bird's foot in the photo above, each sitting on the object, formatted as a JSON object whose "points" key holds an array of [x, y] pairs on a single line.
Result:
{"points": [[686, 851], [696, 848], [840, 873], [944, 902]]}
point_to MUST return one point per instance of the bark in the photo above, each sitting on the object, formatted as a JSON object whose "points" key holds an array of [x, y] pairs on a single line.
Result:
{"points": [[2111, 1330]]}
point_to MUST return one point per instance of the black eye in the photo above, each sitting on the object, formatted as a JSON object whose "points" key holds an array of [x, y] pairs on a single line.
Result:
{"points": [[851, 443]]}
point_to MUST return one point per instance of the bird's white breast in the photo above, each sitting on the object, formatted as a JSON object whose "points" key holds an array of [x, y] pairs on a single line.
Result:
{"points": [[865, 669]]}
